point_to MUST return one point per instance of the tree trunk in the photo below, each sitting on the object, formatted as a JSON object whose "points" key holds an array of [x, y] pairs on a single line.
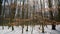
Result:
{"points": [[32, 30], [58, 18], [22, 29], [42, 28], [51, 15], [27, 28], [53, 26], [0, 6], [23, 10], [12, 28]]}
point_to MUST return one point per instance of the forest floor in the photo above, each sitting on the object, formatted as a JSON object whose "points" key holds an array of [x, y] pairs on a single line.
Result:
{"points": [[37, 29]]}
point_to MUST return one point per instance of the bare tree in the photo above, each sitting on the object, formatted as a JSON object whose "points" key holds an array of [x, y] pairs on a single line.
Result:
{"points": [[51, 15], [3, 13], [58, 19], [22, 28], [42, 7], [27, 15], [23, 10], [13, 8], [0, 6]]}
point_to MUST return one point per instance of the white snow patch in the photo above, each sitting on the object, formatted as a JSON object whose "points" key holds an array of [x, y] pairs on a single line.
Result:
{"points": [[34, 30]]}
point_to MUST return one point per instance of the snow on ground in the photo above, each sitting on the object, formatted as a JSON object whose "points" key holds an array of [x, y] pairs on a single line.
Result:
{"points": [[31, 30]]}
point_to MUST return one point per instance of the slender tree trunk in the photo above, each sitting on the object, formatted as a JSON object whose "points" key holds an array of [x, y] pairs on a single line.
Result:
{"points": [[27, 28], [42, 28], [27, 15], [32, 30], [51, 15], [12, 15], [0, 6], [23, 10], [12, 28], [58, 10], [42, 7], [3, 13], [22, 28], [53, 26]]}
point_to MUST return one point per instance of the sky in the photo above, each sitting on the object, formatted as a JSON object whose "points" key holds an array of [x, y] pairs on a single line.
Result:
{"points": [[17, 1]]}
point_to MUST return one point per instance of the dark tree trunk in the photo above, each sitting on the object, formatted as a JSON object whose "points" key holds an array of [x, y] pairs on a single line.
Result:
{"points": [[12, 28], [27, 28], [51, 15], [58, 18], [27, 16], [23, 10], [22, 28], [0, 6], [42, 28], [53, 27]]}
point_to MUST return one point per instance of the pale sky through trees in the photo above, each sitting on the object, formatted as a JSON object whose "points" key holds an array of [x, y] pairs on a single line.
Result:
{"points": [[30, 2], [37, 4], [18, 1]]}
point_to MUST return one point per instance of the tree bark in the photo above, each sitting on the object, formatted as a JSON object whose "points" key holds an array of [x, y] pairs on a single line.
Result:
{"points": [[12, 28], [51, 15], [53, 26], [0, 6], [58, 18], [22, 28], [27, 28], [23, 10]]}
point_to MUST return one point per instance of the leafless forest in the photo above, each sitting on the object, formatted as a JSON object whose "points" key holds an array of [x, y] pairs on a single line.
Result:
{"points": [[30, 12]]}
